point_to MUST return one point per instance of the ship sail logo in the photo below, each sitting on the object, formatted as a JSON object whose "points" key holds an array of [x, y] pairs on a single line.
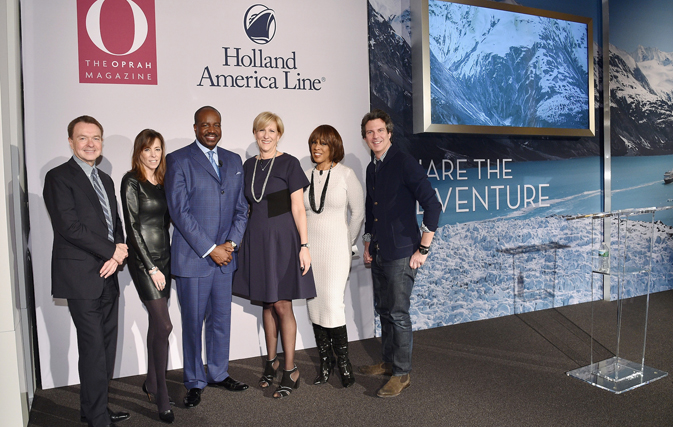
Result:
{"points": [[260, 24]]}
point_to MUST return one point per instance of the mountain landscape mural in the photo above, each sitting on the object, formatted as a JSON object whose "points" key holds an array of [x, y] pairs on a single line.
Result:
{"points": [[641, 95], [493, 67], [496, 263], [391, 89]]}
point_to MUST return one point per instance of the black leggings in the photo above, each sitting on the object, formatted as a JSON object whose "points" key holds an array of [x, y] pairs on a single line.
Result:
{"points": [[157, 350]]}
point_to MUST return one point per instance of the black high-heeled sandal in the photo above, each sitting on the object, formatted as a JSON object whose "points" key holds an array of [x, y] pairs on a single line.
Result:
{"points": [[151, 398], [287, 384], [269, 373]]}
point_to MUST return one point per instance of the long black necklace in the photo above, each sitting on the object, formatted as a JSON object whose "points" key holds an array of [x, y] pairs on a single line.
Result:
{"points": [[311, 191]]}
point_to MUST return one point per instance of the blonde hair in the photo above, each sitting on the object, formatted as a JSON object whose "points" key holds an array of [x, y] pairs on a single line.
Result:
{"points": [[263, 119]]}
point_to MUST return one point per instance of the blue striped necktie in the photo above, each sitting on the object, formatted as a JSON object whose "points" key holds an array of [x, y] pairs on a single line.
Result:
{"points": [[212, 162], [97, 185]]}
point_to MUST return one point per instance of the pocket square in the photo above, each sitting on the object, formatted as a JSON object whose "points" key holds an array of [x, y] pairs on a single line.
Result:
{"points": [[238, 173]]}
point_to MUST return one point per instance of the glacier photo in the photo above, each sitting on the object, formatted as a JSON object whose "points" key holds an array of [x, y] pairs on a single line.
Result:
{"points": [[493, 67], [487, 269]]}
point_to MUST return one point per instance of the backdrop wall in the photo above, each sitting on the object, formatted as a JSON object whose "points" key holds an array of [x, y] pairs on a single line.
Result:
{"points": [[492, 256], [504, 245], [311, 70]]}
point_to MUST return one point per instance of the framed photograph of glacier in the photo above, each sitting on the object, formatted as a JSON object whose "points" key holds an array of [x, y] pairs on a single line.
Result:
{"points": [[485, 67]]}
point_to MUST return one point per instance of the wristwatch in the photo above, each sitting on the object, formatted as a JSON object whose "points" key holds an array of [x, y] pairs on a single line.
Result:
{"points": [[305, 245], [423, 250], [232, 243]]}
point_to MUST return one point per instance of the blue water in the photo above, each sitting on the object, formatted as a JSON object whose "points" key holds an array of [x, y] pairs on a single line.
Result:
{"points": [[568, 187], [638, 182]]}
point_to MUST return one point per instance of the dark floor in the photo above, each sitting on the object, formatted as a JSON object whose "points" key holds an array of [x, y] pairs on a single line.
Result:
{"points": [[509, 371]]}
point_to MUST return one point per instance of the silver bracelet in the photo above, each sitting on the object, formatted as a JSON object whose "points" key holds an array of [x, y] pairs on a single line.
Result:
{"points": [[154, 271]]}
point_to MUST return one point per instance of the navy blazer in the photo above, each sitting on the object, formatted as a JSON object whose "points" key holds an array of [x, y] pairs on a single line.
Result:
{"points": [[205, 209], [392, 193], [81, 244]]}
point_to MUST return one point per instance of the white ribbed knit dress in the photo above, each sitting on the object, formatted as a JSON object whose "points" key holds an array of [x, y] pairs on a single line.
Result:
{"points": [[331, 237]]}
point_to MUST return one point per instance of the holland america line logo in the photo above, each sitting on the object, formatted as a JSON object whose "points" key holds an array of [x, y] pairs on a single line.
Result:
{"points": [[260, 24]]}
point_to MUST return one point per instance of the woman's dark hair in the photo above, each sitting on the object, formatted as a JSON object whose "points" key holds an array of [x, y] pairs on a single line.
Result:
{"points": [[145, 139], [330, 136]]}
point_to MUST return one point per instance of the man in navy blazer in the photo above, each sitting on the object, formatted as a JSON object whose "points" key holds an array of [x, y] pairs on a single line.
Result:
{"points": [[394, 244], [204, 190], [88, 248]]}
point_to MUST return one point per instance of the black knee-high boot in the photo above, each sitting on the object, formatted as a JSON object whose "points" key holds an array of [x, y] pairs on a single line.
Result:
{"points": [[327, 361], [340, 344]]}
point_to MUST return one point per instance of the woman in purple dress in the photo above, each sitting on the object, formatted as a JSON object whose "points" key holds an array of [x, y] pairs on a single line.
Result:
{"points": [[274, 261]]}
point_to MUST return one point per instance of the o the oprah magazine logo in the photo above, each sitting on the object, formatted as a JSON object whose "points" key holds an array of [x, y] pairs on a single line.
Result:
{"points": [[260, 24], [117, 41]]}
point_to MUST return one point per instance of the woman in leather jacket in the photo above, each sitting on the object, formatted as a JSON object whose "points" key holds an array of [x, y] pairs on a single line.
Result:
{"points": [[147, 221]]}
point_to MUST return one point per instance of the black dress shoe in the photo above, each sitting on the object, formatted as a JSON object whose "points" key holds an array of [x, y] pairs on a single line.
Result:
{"points": [[193, 397], [115, 417], [230, 384], [168, 417]]}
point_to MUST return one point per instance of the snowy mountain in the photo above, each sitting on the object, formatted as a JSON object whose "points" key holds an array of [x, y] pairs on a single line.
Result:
{"points": [[500, 68], [658, 68], [641, 101], [391, 89], [394, 14]]}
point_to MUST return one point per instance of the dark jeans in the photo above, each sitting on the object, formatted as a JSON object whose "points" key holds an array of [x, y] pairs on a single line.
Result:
{"points": [[393, 282]]}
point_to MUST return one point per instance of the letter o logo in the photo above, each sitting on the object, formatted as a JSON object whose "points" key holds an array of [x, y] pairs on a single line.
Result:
{"points": [[139, 24]]}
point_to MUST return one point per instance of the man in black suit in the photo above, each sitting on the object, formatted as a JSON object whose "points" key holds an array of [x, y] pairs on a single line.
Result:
{"points": [[88, 248]]}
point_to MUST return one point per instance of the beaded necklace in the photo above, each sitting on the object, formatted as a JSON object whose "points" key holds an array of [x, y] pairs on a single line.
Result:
{"points": [[311, 192]]}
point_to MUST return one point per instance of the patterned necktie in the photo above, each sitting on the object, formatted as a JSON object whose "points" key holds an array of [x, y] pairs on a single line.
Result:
{"points": [[101, 198], [211, 155]]}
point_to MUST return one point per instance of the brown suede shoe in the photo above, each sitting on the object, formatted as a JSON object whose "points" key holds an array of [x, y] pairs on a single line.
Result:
{"points": [[382, 368], [394, 386]]}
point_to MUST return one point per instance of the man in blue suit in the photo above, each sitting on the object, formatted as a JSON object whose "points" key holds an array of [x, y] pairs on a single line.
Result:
{"points": [[394, 244], [204, 189]]}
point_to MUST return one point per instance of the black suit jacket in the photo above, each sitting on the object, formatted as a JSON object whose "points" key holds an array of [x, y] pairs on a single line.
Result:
{"points": [[81, 246]]}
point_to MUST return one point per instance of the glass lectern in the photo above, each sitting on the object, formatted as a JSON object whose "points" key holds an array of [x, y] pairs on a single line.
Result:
{"points": [[628, 261]]}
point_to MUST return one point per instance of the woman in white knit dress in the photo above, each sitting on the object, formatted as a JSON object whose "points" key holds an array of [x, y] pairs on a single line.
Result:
{"points": [[333, 191]]}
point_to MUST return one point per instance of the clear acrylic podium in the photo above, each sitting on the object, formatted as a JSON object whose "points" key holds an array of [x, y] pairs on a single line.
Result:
{"points": [[618, 374]]}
